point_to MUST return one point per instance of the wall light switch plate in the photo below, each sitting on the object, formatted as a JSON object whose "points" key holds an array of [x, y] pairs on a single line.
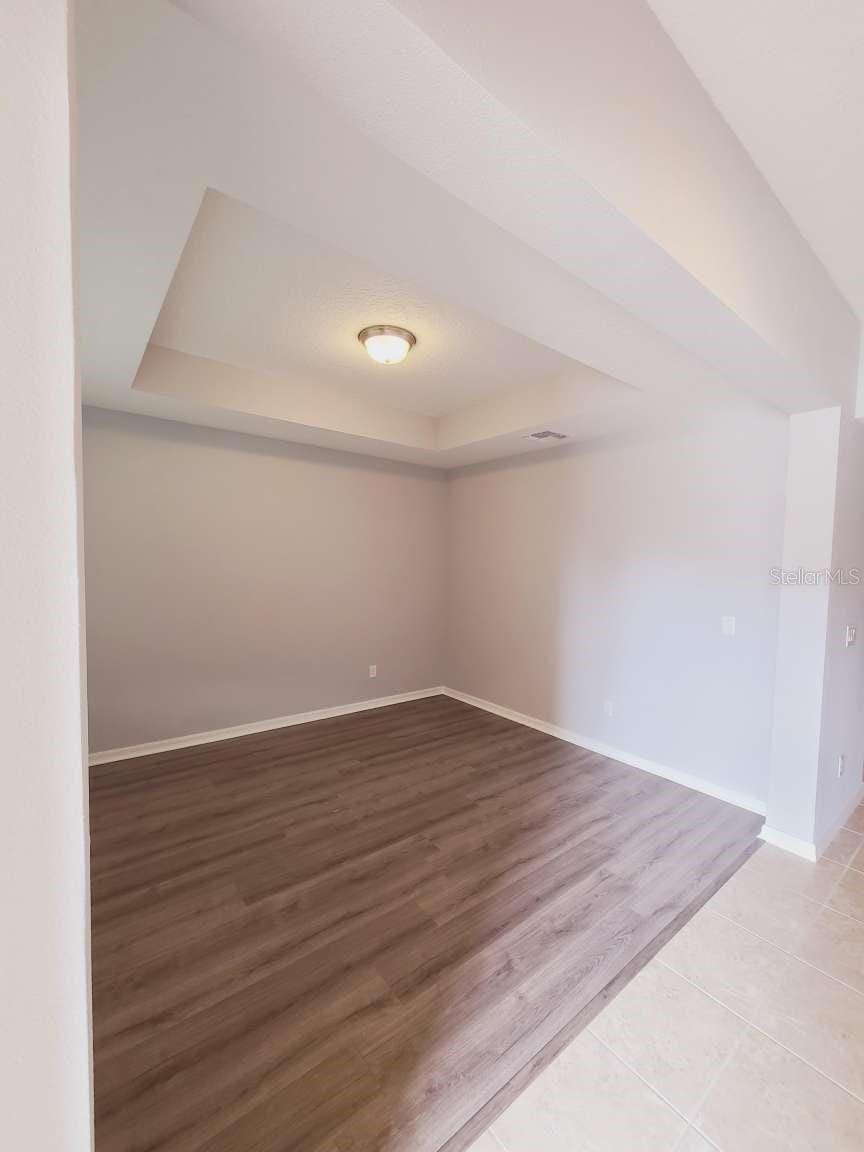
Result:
{"points": [[851, 634], [373, 671], [727, 625], [841, 766]]}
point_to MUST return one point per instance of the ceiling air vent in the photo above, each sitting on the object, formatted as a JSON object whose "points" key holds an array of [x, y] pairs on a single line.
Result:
{"points": [[547, 434]]}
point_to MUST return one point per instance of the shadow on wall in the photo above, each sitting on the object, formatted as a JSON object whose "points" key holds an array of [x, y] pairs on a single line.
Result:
{"points": [[231, 579], [588, 588]]}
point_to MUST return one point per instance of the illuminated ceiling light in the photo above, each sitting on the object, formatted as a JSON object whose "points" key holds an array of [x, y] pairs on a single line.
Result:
{"points": [[387, 344]]}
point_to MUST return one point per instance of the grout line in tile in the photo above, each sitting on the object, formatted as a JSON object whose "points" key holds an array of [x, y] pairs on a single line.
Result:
{"points": [[654, 1091], [767, 1035], [830, 907], [849, 863], [857, 850], [681, 1139], [722, 1067], [846, 828], [691, 1123], [697, 1129], [791, 887], [794, 955], [812, 899], [497, 1139]]}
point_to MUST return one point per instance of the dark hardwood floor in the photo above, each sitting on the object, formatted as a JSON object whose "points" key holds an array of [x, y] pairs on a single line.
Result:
{"points": [[367, 933]]}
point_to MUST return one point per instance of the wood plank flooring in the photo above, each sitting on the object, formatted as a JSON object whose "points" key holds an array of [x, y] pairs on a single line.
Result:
{"points": [[365, 934]]}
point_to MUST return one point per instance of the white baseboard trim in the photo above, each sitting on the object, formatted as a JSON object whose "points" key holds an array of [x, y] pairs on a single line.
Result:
{"points": [[740, 800], [810, 849], [135, 750], [804, 848], [731, 796]]}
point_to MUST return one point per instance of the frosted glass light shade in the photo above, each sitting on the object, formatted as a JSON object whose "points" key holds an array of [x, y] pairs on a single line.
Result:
{"points": [[387, 344]]}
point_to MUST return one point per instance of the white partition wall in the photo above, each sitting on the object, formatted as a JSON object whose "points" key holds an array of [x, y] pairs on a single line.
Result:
{"points": [[44, 1030], [811, 492]]}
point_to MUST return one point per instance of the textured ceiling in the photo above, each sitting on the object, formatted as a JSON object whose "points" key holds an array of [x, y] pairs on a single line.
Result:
{"points": [[555, 193], [253, 292]]}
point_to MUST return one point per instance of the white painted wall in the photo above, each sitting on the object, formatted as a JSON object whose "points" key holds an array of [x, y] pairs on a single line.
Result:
{"points": [[811, 491], [843, 697], [232, 579], [602, 574], [820, 682], [44, 1016]]}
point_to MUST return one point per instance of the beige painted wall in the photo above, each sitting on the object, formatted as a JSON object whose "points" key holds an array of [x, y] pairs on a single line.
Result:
{"points": [[591, 575], [233, 579]]}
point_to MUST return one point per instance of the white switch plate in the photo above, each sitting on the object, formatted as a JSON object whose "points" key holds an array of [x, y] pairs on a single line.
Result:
{"points": [[373, 671], [841, 765], [727, 625], [609, 709], [851, 634]]}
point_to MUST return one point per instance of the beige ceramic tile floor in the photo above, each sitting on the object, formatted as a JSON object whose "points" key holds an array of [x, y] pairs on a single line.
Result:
{"points": [[745, 1033]]}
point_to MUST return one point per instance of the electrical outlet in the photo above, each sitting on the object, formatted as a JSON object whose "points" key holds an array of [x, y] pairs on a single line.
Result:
{"points": [[373, 671], [841, 766]]}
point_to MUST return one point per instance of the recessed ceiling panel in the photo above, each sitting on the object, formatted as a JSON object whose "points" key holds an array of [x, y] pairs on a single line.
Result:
{"points": [[255, 293]]}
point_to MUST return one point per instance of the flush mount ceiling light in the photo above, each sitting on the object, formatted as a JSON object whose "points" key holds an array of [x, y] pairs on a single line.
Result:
{"points": [[387, 344]]}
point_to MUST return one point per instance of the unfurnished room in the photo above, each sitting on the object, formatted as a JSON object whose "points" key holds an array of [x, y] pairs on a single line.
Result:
{"points": [[432, 520]]}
